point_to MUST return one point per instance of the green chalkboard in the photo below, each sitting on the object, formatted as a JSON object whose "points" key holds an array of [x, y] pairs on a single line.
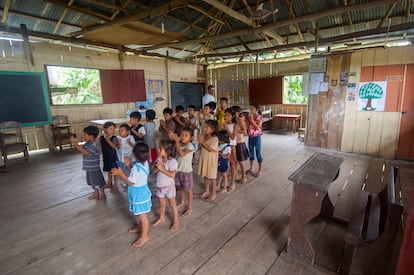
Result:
{"points": [[24, 98], [186, 93]]}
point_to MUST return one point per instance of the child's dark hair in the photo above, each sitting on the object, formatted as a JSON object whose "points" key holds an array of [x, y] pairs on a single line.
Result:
{"points": [[169, 147], [150, 114], [232, 113], [108, 124], [167, 111], [212, 105], [91, 130], [141, 152], [236, 109], [191, 106], [188, 129], [136, 115], [213, 125], [224, 99], [257, 106], [223, 136], [179, 108], [125, 126]]}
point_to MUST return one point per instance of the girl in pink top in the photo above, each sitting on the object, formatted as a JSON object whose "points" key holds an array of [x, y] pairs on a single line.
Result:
{"points": [[254, 131]]}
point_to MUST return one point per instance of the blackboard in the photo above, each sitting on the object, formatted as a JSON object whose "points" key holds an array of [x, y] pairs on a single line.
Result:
{"points": [[24, 98], [185, 93]]}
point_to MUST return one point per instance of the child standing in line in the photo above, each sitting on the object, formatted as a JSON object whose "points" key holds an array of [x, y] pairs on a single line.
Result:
{"points": [[223, 160], [137, 129], [230, 125], [255, 138], [167, 125], [91, 161], [207, 167], [139, 194], [109, 144], [149, 137], [179, 119], [194, 123], [184, 176], [220, 112], [125, 144], [242, 153], [205, 115], [166, 168]]}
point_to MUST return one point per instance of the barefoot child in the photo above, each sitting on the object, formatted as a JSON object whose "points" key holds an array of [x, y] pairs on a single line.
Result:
{"points": [[149, 137], [230, 125], [139, 194], [220, 112], [109, 144], [223, 160], [125, 144], [184, 176], [91, 161], [207, 167], [255, 138], [167, 125], [166, 168], [242, 153], [137, 129]]}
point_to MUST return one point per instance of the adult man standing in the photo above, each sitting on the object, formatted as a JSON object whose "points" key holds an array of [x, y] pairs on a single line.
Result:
{"points": [[209, 96]]}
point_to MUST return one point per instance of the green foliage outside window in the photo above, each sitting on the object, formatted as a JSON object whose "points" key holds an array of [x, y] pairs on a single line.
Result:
{"points": [[292, 90], [74, 85]]}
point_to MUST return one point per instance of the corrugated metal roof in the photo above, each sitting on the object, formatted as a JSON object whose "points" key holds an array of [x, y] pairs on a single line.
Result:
{"points": [[42, 16]]}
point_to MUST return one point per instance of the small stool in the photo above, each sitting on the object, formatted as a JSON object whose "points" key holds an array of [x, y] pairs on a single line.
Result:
{"points": [[301, 133]]}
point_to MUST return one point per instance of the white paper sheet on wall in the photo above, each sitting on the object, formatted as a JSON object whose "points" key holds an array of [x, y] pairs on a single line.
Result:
{"points": [[315, 83]]}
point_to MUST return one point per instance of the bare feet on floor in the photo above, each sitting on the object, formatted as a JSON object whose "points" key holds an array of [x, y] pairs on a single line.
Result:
{"points": [[103, 197], [93, 196], [187, 212], [174, 227], [211, 198], [223, 190], [140, 242], [114, 189], [134, 230], [243, 180], [181, 204], [232, 187], [108, 185], [204, 195], [158, 222]]}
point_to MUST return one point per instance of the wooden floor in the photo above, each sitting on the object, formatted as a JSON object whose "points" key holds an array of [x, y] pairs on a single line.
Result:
{"points": [[49, 227]]}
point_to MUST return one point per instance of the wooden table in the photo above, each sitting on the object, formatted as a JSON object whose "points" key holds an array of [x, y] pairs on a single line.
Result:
{"points": [[293, 118], [114, 120], [309, 200]]}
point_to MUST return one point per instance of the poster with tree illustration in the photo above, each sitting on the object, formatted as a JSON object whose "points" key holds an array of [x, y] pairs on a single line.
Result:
{"points": [[371, 96]]}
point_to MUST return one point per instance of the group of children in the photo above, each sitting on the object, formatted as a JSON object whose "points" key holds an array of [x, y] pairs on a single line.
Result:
{"points": [[132, 157]]}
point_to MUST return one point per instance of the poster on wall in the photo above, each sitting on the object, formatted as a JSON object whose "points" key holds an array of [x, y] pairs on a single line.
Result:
{"points": [[371, 96]]}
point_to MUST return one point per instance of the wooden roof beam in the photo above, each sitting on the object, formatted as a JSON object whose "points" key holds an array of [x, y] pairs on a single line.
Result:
{"points": [[62, 16], [252, 31], [322, 41], [110, 6], [138, 16], [241, 17], [387, 14], [80, 9], [205, 13], [5, 11]]}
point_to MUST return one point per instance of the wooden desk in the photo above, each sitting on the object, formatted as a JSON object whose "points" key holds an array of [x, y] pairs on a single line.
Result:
{"points": [[117, 121], [293, 118], [309, 200]]}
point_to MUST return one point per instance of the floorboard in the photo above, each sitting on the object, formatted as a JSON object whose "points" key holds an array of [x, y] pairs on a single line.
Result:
{"points": [[52, 228]]}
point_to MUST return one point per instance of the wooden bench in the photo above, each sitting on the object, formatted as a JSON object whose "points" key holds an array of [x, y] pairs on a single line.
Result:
{"points": [[376, 219]]}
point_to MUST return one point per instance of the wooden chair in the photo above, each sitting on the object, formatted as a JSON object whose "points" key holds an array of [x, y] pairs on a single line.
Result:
{"points": [[12, 142], [60, 130]]}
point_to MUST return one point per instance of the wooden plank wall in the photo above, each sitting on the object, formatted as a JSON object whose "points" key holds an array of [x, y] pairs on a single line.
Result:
{"points": [[80, 115], [376, 133], [326, 110]]}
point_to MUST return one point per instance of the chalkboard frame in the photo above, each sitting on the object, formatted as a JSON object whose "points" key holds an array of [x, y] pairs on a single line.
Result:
{"points": [[175, 91], [45, 94]]}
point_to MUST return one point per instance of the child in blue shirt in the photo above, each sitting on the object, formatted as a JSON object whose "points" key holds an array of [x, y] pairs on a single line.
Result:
{"points": [[91, 161]]}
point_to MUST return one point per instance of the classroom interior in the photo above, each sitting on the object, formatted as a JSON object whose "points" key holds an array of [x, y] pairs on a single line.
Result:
{"points": [[52, 228]]}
